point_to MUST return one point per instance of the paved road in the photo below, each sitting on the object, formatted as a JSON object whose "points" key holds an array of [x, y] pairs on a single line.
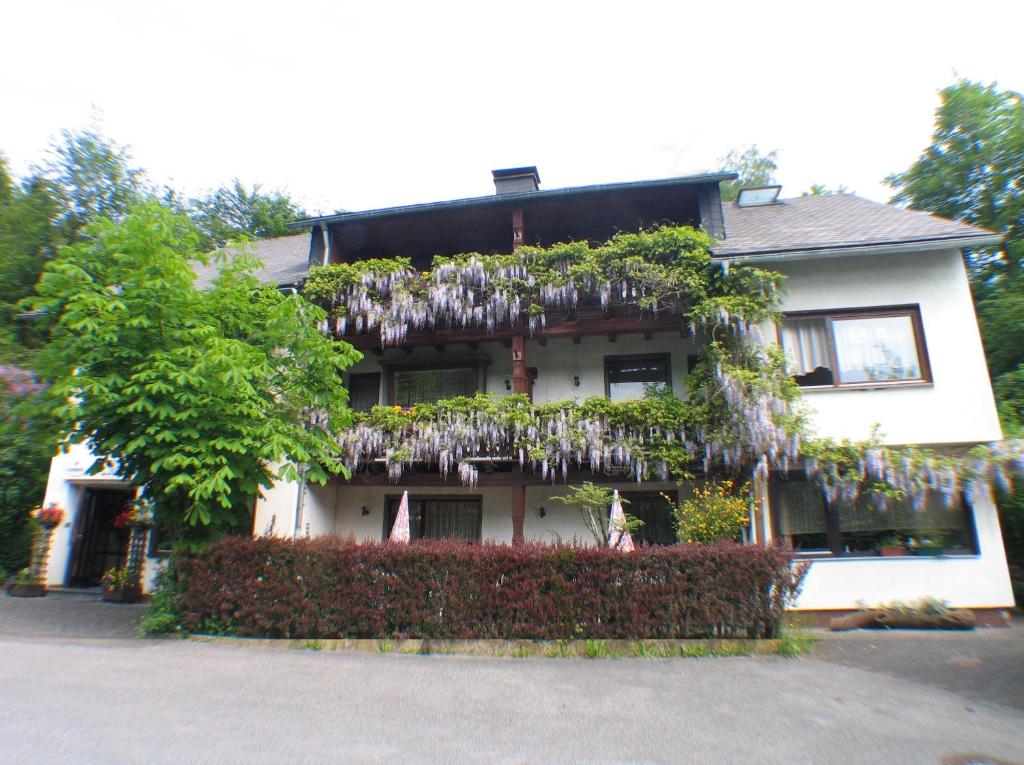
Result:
{"points": [[72, 699]]}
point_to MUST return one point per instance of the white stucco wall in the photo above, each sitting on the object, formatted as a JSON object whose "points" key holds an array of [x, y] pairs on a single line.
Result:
{"points": [[957, 407], [275, 510]]}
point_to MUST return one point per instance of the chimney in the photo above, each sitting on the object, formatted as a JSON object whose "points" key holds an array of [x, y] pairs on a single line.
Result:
{"points": [[515, 180]]}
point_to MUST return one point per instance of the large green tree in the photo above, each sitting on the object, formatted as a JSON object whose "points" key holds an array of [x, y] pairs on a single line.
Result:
{"points": [[200, 395]]}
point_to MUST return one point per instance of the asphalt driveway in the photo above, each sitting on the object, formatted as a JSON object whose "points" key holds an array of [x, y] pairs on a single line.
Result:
{"points": [[79, 699]]}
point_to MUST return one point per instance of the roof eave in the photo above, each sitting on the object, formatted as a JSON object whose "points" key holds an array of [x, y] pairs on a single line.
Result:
{"points": [[511, 199]]}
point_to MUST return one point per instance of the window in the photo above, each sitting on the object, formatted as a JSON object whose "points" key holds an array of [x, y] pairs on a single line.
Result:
{"points": [[656, 512], [363, 391], [808, 522], [438, 518], [629, 377], [425, 386], [855, 348]]}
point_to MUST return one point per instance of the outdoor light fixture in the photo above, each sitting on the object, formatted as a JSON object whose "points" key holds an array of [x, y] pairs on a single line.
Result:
{"points": [[759, 196], [365, 510], [576, 381], [542, 512], [508, 384]]}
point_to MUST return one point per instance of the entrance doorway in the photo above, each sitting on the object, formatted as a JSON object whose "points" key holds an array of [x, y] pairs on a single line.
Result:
{"points": [[98, 545]]}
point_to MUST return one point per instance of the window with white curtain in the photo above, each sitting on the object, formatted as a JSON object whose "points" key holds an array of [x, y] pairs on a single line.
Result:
{"points": [[864, 347]]}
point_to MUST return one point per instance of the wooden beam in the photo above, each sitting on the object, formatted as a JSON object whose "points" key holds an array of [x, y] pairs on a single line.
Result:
{"points": [[514, 477], [520, 379], [518, 513], [557, 326]]}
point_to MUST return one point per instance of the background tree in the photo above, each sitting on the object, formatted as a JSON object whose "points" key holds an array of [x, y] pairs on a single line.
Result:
{"points": [[199, 394], [753, 167], [94, 178], [821, 190], [234, 210], [973, 172]]}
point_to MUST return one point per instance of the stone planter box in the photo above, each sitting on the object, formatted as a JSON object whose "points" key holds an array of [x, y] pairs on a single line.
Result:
{"points": [[123, 595], [16, 590]]}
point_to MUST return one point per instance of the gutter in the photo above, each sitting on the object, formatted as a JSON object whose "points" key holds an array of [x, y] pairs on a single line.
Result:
{"points": [[881, 248]]}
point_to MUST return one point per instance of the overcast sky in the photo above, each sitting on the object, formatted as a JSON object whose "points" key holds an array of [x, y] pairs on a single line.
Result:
{"points": [[372, 104]]}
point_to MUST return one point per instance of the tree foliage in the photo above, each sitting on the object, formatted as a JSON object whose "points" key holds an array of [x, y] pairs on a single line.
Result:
{"points": [[233, 210], [198, 394], [94, 178], [754, 168]]}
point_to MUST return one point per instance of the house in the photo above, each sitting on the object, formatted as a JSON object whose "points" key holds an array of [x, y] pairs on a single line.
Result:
{"points": [[878, 325]]}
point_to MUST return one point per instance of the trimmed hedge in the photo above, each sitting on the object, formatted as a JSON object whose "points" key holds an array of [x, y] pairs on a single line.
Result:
{"points": [[329, 587]]}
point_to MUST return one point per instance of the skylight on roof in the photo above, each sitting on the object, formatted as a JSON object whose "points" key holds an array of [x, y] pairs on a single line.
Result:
{"points": [[756, 197]]}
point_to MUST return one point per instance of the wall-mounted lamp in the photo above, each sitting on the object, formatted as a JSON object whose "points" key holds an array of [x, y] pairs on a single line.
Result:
{"points": [[365, 510], [508, 384], [542, 512], [576, 381]]}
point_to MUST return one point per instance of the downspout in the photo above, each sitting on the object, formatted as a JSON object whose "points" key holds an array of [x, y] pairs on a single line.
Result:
{"points": [[300, 496]]}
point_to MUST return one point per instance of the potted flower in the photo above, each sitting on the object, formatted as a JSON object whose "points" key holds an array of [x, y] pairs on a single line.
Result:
{"points": [[49, 517], [24, 585], [892, 545], [119, 586]]}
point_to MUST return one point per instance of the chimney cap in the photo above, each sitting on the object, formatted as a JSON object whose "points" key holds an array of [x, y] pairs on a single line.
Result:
{"points": [[512, 172], [512, 180]]}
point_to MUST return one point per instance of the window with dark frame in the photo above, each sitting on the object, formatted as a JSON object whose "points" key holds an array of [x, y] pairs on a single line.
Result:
{"points": [[363, 391], [632, 377], [861, 347], [656, 512], [438, 517], [427, 386], [808, 522]]}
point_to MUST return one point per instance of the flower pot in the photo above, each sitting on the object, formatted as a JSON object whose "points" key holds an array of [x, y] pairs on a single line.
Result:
{"points": [[32, 590], [892, 551], [123, 595]]}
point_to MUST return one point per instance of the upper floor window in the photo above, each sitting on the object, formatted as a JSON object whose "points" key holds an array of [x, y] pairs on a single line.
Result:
{"points": [[629, 377], [363, 391], [863, 347], [427, 386]]}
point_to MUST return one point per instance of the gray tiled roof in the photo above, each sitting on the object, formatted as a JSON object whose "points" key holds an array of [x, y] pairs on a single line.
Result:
{"points": [[831, 222], [285, 260]]}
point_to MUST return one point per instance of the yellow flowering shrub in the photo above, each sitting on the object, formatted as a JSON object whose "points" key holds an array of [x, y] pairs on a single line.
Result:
{"points": [[717, 510]]}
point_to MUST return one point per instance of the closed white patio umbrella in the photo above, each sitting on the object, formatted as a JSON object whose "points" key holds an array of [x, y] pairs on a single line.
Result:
{"points": [[400, 531], [618, 537]]}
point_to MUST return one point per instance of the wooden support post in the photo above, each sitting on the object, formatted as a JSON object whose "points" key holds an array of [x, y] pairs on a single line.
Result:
{"points": [[518, 512], [520, 379]]}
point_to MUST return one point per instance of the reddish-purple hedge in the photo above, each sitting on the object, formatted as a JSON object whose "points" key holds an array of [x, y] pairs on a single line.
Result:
{"points": [[330, 587]]}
